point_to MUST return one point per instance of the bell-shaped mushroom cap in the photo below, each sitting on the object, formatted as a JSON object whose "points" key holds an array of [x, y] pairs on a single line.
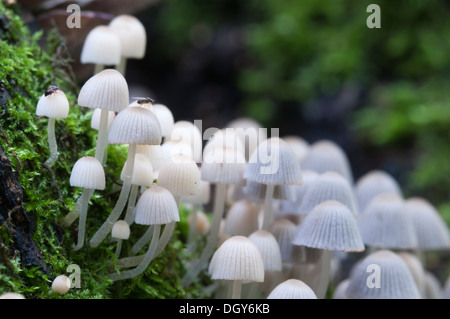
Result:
{"points": [[180, 175], [54, 105], [135, 125], [165, 118], [237, 258], [156, 206], [11, 295], [251, 133], [225, 138], [341, 288], [256, 192], [142, 171], [61, 284], [153, 152], [284, 231], [292, 289], [88, 173], [120, 230], [269, 249], [328, 186], [431, 230], [386, 224], [299, 146], [293, 206], [202, 197], [101, 46], [372, 184], [132, 35], [202, 224], [325, 156], [187, 132], [107, 90], [241, 219], [382, 275], [223, 165], [274, 162], [95, 119], [330, 226]]}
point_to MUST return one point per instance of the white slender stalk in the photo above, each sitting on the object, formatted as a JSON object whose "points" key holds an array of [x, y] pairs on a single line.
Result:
{"points": [[82, 221], [200, 264], [122, 66], [149, 255], [325, 269], [268, 207], [98, 68], [75, 213], [236, 294], [144, 239], [106, 227], [118, 248], [51, 138]]}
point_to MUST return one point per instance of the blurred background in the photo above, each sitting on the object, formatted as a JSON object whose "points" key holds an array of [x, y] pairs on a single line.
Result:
{"points": [[310, 68]]}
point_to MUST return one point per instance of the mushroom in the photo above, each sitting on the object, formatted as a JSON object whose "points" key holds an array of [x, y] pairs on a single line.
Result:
{"points": [[132, 36], [238, 259], [132, 126], [155, 207], [53, 104], [187, 132], [61, 284], [273, 163], [382, 275], [241, 219], [292, 289], [165, 118], [11, 295], [221, 166], [120, 231], [101, 47], [330, 226], [87, 173]]}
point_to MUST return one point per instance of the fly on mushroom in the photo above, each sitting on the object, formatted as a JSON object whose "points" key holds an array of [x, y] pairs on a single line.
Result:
{"points": [[51, 90]]}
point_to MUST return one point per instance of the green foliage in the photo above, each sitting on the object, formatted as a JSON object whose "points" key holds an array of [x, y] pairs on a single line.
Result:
{"points": [[26, 71]]}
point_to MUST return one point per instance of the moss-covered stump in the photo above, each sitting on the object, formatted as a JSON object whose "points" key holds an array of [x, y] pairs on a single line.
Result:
{"points": [[34, 246]]}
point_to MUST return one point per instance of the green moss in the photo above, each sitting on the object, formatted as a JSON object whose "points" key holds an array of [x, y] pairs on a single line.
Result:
{"points": [[26, 71]]}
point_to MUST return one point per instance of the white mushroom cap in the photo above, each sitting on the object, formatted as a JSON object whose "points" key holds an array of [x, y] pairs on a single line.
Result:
{"points": [[88, 173], [61, 284], [54, 105], [299, 146], [101, 46], [223, 165], [11, 295], [107, 89], [142, 171], [269, 249], [274, 162], [330, 226], [180, 175], [326, 155], [165, 118], [395, 279], [292, 289], [372, 184], [135, 125], [95, 119], [329, 186], [203, 197], [385, 223], [189, 133], [156, 206], [241, 219], [237, 258], [120, 230], [430, 228], [153, 152], [132, 35]]}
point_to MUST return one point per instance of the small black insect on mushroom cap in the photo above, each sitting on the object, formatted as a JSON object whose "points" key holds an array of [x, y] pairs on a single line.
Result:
{"points": [[145, 100], [51, 90]]}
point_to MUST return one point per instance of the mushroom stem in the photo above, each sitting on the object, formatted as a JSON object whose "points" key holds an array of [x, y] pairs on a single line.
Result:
{"points": [[82, 221], [101, 148], [51, 138], [149, 255], [75, 213], [118, 248], [98, 68], [122, 66], [325, 268], [145, 238], [219, 204], [236, 293], [106, 227], [268, 207]]}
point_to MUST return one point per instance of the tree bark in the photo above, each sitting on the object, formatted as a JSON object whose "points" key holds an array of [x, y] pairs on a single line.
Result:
{"points": [[15, 218]]}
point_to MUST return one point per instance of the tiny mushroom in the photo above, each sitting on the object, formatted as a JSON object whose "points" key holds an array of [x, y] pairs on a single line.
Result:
{"points": [[61, 284], [292, 289]]}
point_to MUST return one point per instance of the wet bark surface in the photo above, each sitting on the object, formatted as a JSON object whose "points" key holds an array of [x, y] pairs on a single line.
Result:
{"points": [[15, 218]]}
